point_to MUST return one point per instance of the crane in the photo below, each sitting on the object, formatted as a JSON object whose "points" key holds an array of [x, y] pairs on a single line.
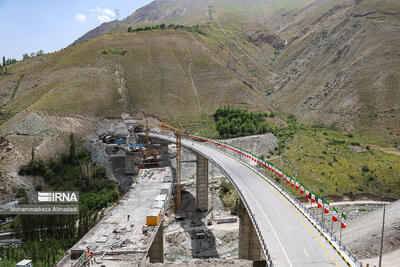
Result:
{"points": [[147, 134], [178, 163]]}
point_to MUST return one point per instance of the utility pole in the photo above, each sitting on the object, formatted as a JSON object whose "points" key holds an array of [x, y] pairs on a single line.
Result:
{"points": [[177, 133], [341, 228], [117, 13], [383, 227], [323, 203], [210, 13], [147, 135], [178, 171]]}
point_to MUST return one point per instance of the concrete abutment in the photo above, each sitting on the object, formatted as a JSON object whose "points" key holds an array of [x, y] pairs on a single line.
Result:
{"points": [[156, 251]]}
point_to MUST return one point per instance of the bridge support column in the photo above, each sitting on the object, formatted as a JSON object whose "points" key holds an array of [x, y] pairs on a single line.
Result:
{"points": [[130, 163], [164, 148], [249, 244], [202, 183], [156, 251]]}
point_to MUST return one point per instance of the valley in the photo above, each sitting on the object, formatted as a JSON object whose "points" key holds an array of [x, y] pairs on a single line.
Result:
{"points": [[319, 82]]}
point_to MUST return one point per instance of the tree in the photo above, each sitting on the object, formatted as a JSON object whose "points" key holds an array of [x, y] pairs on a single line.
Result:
{"points": [[25, 56], [4, 65], [162, 26], [39, 53], [33, 54], [71, 155], [130, 29], [33, 154]]}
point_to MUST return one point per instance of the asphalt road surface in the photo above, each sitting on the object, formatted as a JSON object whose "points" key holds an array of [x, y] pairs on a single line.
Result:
{"points": [[290, 238]]}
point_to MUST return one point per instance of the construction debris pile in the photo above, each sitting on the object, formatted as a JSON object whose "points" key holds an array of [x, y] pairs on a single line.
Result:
{"points": [[124, 233]]}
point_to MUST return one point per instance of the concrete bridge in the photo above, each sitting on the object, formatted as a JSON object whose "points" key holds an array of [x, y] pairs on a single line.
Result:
{"points": [[273, 227]]}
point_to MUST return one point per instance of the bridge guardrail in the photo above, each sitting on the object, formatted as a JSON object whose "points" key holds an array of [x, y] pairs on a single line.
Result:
{"points": [[341, 249], [251, 215]]}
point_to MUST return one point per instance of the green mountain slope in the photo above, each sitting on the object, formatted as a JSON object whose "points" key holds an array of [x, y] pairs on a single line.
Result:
{"points": [[172, 74], [339, 65]]}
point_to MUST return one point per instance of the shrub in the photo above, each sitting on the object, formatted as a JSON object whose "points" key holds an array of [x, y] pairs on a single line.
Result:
{"points": [[115, 52], [224, 187], [21, 192], [334, 141], [237, 122], [365, 168]]}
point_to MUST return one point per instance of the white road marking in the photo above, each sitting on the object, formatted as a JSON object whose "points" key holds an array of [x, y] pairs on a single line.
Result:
{"points": [[306, 253], [272, 228], [210, 155]]}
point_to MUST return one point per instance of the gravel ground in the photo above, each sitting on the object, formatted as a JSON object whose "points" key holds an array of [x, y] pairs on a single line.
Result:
{"points": [[33, 124], [257, 144], [221, 240], [363, 232], [206, 263]]}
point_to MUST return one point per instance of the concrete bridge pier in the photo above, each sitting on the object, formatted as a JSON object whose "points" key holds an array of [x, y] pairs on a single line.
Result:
{"points": [[249, 244], [156, 251], [201, 183], [164, 147], [131, 159]]}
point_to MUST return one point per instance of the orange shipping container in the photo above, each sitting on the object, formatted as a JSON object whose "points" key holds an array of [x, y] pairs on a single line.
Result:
{"points": [[154, 218]]}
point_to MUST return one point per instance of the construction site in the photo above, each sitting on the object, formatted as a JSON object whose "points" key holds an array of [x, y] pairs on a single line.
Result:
{"points": [[159, 200]]}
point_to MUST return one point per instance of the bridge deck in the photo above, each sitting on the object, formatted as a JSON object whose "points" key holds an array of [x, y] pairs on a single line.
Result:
{"points": [[290, 238], [123, 240]]}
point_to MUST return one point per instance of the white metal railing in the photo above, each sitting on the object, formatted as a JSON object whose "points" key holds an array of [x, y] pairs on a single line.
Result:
{"points": [[346, 254]]}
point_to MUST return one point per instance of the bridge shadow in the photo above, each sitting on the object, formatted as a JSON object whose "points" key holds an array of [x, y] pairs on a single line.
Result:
{"points": [[203, 242]]}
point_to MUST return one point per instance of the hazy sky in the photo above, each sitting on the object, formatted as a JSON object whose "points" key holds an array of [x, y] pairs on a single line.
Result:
{"points": [[31, 25]]}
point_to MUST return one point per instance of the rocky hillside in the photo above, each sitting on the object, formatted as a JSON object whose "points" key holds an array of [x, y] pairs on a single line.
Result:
{"points": [[345, 71], [172, 74], [329, 61]]}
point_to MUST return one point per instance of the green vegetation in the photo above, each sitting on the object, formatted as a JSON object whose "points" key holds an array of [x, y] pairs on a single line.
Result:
{"points": [[286, 133], [77, 173], [69, 172], [115, 52], [21, 192], [6, 62], [233, 122], [33, 54], [229, 197], [44, 253], [315, 152], [195, 28]]}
